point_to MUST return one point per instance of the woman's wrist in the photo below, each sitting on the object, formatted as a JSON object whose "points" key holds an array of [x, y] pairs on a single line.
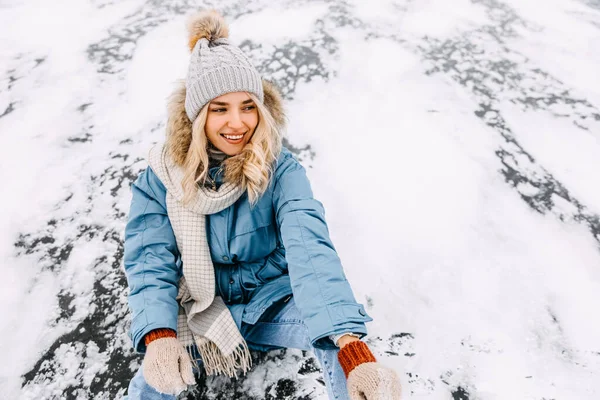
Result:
{"points": [[345, 339]]}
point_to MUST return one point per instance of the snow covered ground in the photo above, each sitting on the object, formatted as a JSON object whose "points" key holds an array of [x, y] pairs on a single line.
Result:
{"points": [[455, 145]]}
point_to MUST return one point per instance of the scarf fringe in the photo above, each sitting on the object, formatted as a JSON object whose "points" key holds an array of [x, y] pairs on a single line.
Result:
{"points": [[215, 362]]}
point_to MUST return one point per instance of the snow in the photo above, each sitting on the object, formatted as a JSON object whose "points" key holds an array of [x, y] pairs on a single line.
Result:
{"points": [[283, 24], [570, 155], [455, 146]]}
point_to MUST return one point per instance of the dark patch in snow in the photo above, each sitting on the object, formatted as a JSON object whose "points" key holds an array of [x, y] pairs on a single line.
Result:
{"points": [[29, 247], [308, 366], [402, 335], [399, 343], [25, 65], [302, 153], [12, 80], [8, 110], [111, 53], [592, 3], [295, 62], [83, 107], [341, 13], [492, 75], [460, 394], [393, 343], [97, 339], [56, 255], [96, 331], [115, 176], [114, 51], [87, 137], [222, 388], [100, 4], [290, 63], [65, 302], [396, 344], [416, 381], [554, 336], [284, 389]]}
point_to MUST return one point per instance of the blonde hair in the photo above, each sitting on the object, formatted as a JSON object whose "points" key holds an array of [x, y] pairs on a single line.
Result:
{"points": [[252, 168]]}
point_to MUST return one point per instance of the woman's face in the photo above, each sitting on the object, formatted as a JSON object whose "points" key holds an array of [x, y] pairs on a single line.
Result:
{"points": [[231, 121]]}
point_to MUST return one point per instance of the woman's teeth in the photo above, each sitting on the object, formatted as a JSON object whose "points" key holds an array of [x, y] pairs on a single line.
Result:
{"points": [[233, 137]]}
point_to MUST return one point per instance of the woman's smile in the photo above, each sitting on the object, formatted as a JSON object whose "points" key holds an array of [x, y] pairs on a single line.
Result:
{"points": [[233, 138]]}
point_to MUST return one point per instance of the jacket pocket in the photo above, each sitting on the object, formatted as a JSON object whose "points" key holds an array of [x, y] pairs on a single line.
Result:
{"points": [[275, 265], [265, 296]]}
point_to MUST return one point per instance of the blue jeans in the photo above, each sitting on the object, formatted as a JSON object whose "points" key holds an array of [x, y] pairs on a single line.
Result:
{"points": [[282, 327]]}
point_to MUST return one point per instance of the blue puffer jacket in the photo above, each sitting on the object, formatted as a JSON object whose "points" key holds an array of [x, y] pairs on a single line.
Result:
{"points": [[261, 256]]}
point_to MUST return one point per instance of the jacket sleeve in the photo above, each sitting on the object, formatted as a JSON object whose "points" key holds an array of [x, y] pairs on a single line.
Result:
{"points": [[151, 258], [321, 290]]}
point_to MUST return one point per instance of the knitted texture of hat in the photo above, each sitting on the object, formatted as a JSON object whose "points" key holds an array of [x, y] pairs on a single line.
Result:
{"points": [[216, 66]]}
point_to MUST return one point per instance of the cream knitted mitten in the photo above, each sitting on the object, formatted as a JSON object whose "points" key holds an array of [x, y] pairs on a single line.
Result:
{"points": [[167, 366], [373, 381], [366, 378]]}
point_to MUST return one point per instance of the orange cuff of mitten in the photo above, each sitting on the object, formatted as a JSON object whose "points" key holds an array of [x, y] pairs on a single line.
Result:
{"points": [[158, 334], [353, 354]]}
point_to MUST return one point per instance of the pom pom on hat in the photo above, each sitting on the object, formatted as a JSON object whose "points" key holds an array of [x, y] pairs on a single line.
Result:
{"points": [[216, 66], [206, 24]]}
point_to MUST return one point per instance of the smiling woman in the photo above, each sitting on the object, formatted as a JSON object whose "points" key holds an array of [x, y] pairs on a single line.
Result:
{"points": [[224, 241], [231, 121], [225, 126]]}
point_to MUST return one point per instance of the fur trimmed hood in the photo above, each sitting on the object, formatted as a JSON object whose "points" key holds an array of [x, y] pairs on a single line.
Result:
{"points": [[179, 126]]}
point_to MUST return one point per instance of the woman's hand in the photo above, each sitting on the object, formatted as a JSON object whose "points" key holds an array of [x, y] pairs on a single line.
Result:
{"points": [[373, 381], [367, 379], [167, 366]]}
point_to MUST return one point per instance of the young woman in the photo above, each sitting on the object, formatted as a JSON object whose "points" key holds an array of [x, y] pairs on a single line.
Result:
{"points": [[226, 249]]}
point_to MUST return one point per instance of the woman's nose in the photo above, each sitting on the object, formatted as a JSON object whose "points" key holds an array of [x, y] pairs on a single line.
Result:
{"points": [[235, 120]]}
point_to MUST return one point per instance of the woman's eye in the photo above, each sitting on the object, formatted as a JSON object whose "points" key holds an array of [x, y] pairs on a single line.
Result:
{"points": [[218, 110], [249, 108]]}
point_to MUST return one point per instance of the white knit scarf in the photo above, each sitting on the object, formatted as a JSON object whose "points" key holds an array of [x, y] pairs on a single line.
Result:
{"points": [[203, 319]]}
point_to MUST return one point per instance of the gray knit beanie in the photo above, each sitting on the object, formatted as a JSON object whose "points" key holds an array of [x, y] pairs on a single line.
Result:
{"points": [[216, 66]]}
